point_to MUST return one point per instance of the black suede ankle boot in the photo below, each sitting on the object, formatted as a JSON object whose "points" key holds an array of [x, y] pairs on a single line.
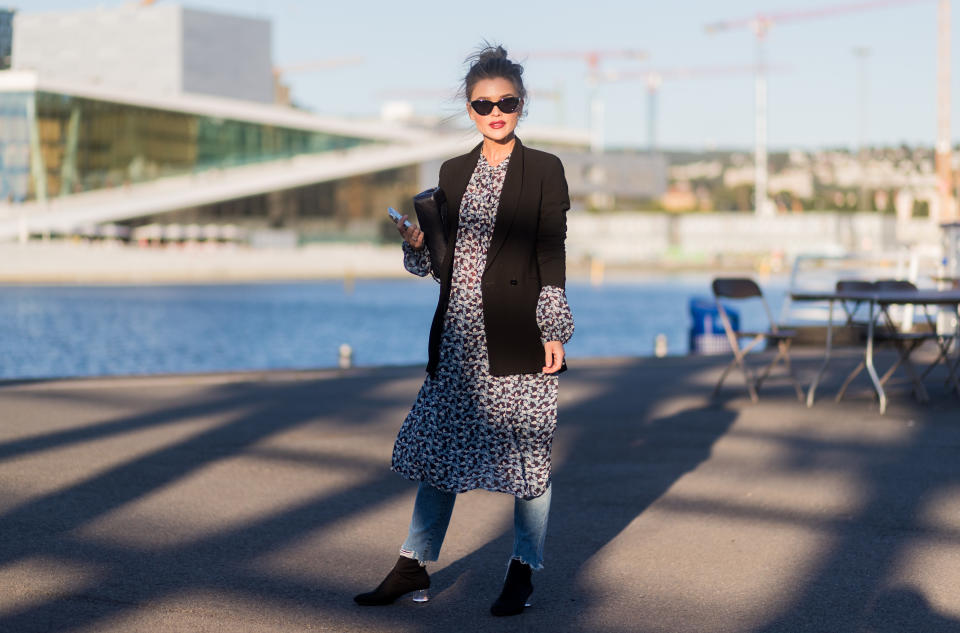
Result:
{"points": [[406, 576], [516, 589]]}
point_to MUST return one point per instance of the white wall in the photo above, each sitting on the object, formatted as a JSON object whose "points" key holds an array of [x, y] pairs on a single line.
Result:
{"points": [[629, 238], [227, 56], [161, 49], [130, 48]]}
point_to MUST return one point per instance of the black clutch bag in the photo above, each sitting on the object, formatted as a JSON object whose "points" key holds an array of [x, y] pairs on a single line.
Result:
{"points": [[431, 208]]}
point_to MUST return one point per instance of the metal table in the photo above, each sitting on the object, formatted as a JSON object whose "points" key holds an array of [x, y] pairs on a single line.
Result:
{"points": [[881, 300]]}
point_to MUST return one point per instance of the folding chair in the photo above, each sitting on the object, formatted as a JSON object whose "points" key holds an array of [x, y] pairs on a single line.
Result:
{"points": [[732, 288], [944, 343], [853, 285], [905, 342]]}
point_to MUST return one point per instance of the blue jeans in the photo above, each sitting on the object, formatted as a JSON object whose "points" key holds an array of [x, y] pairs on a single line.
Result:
{"points": [[431, 516]]}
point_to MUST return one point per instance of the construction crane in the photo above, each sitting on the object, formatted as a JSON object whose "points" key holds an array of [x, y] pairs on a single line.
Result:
{"points": [[945, 177], [281, 90], [593, 59], [862, 53], [760, 24], [436, 94], [654, 78]]}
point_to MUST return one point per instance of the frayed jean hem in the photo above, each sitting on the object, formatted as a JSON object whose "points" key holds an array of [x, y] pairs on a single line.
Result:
{"points": [[534, 567], [409, 553]]}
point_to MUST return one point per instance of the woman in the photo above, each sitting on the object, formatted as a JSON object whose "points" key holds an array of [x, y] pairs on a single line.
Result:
{"points": [[486, 413]]}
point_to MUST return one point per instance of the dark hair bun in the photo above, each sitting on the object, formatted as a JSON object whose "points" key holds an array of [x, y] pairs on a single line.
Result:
{"points": [[490, 53], [490, 62]]}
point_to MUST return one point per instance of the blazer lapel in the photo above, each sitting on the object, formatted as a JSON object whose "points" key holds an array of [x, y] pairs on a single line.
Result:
{"points": [[509, 202]]}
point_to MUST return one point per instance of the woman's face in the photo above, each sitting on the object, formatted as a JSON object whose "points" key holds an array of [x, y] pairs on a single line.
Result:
{"points": [[496, 126]]}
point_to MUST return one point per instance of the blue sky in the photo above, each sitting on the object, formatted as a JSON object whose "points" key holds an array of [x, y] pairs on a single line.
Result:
{"points": [[418, 47]]}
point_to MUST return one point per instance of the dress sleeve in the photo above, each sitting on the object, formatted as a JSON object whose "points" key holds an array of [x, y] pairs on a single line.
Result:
{"points": [[417, 262], [553, 315]]}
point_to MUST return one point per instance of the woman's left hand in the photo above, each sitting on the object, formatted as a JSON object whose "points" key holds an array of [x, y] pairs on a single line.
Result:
{"points": [[554, 356]]}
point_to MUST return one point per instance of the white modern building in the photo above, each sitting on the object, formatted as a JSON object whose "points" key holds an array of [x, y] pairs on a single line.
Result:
{"points": [[74, 155], [146, 111], [157, 113]]}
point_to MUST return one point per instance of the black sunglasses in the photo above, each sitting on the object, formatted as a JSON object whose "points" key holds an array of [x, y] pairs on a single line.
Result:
{"points": [[507, 105]]}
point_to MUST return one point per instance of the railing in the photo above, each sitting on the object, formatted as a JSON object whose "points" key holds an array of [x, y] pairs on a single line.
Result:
{"points": [[821, 272]]}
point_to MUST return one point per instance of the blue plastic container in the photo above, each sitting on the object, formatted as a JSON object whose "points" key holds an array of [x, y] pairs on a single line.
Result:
{"points": [[706, 332]]}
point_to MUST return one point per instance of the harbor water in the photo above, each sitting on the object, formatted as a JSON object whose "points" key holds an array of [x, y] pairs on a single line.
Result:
{"points": [[67, 331]]}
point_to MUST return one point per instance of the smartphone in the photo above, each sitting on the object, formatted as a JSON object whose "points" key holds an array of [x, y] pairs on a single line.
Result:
{"points": [[396, 215]]}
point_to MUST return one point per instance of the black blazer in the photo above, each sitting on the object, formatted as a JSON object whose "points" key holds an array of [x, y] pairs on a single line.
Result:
{"points": [[526, 253]]}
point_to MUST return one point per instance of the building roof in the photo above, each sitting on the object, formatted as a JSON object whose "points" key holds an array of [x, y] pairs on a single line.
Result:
{"points": [[399, 146], [178, 192], [219, 107]]}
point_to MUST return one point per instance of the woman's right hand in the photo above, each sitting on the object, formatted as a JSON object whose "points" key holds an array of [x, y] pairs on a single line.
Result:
{"points": [[412, 235]]}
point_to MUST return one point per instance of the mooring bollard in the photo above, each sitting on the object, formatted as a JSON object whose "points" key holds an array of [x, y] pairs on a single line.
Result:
{"points": [[660, 346], [596, 272], [346, 356]]}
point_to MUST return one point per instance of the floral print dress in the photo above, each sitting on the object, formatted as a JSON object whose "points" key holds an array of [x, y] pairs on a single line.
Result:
{"points": [[468, 429]]}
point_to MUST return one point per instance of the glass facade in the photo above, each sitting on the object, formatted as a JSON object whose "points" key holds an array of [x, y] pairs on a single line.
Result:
{"points": [[14, 147], [83, 144], [6, 37]]}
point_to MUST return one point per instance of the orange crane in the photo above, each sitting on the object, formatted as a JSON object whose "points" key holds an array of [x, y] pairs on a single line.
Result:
{"points": [[946, 183], [654, 79], [760, 24], [593, 59], [437, 94], [281, 90]]}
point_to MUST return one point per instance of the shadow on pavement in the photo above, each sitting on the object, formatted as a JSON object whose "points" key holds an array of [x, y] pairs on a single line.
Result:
{"points": [[639, 427]]}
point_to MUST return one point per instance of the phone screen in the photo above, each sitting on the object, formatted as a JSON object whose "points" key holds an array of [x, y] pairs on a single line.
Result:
{"points": [[395, 216]]}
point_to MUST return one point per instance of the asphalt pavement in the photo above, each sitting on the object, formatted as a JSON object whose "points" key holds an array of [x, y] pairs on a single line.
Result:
{"points": [[264, 501]]}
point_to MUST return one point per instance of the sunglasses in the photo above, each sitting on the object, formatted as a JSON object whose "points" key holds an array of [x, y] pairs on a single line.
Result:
{"points": [[507, 105]]}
